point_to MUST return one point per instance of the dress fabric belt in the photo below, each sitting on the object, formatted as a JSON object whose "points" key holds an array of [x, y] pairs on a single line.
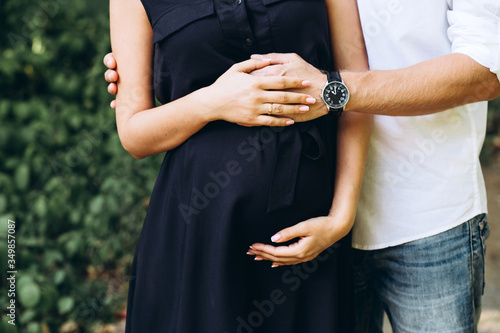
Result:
{"points": [[293, 142]]}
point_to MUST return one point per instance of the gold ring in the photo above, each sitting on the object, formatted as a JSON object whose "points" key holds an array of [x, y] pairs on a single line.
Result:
{"points": [[270, 108]]}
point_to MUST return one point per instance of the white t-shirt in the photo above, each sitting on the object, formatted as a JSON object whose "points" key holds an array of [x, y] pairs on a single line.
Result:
{"points": [[423, 174]]}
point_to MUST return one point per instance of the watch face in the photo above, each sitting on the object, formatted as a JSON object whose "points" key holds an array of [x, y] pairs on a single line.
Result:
{"points": [[335, 95]]}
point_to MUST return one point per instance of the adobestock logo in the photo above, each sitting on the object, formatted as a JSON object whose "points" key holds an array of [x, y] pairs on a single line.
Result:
{"points": [[374, 24]]}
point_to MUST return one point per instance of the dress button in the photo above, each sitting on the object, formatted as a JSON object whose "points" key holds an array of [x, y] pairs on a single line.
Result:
{"points": [[248, 42], [237, 2]]}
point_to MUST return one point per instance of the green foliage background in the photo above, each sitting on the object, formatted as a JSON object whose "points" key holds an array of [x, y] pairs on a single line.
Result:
{"points": [[491, 148], [77, 197]]}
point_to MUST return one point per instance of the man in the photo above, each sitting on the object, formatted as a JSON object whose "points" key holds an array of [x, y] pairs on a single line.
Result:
{"points": [[421, 225]]}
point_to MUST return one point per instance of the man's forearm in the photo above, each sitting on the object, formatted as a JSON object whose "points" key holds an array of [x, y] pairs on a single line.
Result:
{"points": [[425, 88]]}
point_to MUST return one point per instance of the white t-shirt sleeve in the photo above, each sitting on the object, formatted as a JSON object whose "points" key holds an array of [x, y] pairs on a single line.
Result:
{"points": [[475, 31]]}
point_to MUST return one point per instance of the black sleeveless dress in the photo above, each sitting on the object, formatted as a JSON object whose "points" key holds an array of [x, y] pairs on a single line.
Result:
{"points": [[229, 186]]}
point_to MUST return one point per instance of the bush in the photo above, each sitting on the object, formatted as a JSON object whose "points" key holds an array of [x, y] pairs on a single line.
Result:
{"points": [[491, 146], [77, 197]]}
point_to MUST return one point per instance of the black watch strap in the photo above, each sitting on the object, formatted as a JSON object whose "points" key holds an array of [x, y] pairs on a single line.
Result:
{"points": [[333, 76], [336, 114]]}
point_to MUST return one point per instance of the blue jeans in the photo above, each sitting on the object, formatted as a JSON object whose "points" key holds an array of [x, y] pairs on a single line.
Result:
{"points": [[432, 284]]}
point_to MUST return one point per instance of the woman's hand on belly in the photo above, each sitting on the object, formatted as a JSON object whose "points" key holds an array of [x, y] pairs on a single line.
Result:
{"points": [[315, 235]]}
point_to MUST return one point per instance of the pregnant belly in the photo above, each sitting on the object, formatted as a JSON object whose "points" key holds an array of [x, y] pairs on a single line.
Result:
{"points": [[248, 174]]}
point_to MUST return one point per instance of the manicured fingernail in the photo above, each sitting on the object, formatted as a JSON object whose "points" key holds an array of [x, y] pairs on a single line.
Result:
{"points": [[311, 100], [274, 266], [276, 238], [290, 122], [304, 108], [306, 82], [108, 62], [257, 259], [249, 253], [256, 56], [251, 247]]}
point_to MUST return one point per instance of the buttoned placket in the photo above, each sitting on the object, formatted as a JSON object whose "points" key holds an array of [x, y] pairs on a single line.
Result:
{"points": [[235, 23]]}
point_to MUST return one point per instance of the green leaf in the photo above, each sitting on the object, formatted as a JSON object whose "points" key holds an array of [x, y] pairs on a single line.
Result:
{"points": [[22, 110], [74, 216], [4, 108], [40, 206], [6, 327], [97, 205], [4, 225], [53, 184], [59, 276], [73, 246], [27, 316], [65, 304], [48, 300], [34, 328], [3, 204], [6, 184], [29, 295], [22, 176], [24, 281], [52, 256]]}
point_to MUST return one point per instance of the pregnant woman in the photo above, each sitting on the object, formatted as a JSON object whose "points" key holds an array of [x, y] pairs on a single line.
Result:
{"points": [[241, 163]]}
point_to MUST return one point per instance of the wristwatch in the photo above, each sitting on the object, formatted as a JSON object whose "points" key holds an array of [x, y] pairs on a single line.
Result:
{"points": [[335, 93]]}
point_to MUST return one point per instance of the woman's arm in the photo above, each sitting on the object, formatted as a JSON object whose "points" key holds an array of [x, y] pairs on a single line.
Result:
{"points": [[353, 139], [354, 128], [235, 97]]}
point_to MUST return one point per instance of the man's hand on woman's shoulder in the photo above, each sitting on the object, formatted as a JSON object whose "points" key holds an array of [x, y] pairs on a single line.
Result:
{"points": [[111, 76]]}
